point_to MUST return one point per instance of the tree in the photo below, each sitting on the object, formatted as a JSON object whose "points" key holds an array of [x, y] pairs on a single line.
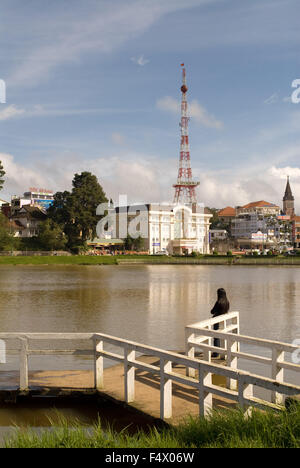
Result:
{"points": [[2, 173], [60, 213], [75, 211], [215, 222], [51, 236], [131, 243], [138, 243], [5, 237], [128, 242], [86, 195]]}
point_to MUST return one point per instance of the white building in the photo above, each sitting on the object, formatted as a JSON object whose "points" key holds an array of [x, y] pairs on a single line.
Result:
{"points": [[176, 229], [245, 225], [2, 202], [259, 207], [34, 197], [274, 230], [218, 234], [27, 220]]}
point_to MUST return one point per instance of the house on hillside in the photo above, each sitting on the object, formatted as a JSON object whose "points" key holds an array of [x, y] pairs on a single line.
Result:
{"points": [[259, 207], [27, 220], [226, 215]]}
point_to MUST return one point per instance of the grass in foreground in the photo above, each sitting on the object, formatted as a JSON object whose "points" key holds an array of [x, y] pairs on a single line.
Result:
{"points": [[227, 429]]}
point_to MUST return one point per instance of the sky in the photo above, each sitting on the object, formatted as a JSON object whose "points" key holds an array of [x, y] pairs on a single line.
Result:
{"points": [[94, 85]]}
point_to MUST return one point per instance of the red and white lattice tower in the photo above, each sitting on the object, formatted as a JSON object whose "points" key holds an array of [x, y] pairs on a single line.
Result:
{"points": [[185, 188]]}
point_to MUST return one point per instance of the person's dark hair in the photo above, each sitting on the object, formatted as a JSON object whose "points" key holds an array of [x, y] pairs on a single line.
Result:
{"points": [[222, 305]]}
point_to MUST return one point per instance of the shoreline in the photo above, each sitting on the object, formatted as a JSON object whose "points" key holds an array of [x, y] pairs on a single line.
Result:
{"points": [[84, 260]]}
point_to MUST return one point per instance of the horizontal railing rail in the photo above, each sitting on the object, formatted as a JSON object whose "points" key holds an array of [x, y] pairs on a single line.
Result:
{"points": [[201, 380], [200, 336]]}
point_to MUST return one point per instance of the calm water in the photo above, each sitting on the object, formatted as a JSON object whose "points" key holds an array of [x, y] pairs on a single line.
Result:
{"points": [[148, 304]]}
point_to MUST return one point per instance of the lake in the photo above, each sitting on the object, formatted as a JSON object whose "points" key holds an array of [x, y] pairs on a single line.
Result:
{"points": [[150, 304]]}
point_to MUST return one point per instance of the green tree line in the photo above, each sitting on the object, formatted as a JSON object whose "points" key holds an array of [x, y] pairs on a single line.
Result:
{"points": [[71, 219]]}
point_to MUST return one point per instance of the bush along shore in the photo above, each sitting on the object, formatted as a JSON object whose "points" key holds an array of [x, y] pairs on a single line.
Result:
{"points": [[146, 259], [226, 429]]}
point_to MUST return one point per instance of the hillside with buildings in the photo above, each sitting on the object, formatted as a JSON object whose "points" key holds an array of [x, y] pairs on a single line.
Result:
{"points": [[258, 225]]}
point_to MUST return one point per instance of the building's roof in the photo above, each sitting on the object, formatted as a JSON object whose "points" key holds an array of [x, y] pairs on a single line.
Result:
{"points": [[260, 204], [32, 212], [17, 224], [288, 192], [228, 211], [296, 218]]}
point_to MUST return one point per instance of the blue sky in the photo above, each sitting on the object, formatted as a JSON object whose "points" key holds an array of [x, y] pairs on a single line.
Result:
{"points": [[94, 85]]}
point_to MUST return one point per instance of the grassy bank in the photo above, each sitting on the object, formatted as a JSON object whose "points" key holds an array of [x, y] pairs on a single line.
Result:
{"points": [[228, 429], [212, 260], [79, 259], [57, 260], [147, 260]]}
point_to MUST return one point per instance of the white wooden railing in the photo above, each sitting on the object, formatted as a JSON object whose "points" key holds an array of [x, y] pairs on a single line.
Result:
{"points": [[201, 380], [200, 336]]}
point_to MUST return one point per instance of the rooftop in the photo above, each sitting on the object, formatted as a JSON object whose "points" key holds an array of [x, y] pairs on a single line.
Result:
{"points": [[32, 211], [228, 211], [260, 204]]}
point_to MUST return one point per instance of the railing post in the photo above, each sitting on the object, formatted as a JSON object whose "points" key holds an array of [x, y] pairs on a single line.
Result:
{"points": [[205, 397], [98, 364], [129, 375], [237, 324], [165, 390], [277, 373], [24, 364], [190, 352], [223, 342], [245, 391], [232, 346], [206, 352]]}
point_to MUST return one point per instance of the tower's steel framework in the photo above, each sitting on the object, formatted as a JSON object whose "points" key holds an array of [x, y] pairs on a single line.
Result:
{"points": [[185, 188]]}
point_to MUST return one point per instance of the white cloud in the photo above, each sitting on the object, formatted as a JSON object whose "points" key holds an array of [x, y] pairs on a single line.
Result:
{"points": [[195, 110], [141, 60], [272, 99], [102, 29], [283, 172], [18, 177], [203, 117], [123, 173], [10, 112], [168, 104], [147, 177]]}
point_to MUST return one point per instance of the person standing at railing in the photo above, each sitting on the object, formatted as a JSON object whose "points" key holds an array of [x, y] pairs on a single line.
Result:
{"points": [[221, 307]]}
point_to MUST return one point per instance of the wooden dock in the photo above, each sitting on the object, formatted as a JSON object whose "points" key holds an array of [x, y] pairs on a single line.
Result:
{"points": [[79, 384], [161, 383]]}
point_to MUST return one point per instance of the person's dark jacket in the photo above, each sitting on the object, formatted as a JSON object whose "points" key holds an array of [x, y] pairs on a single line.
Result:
{"points": [[221, 306]]}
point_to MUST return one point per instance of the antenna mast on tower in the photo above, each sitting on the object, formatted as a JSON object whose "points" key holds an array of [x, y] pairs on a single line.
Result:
{"points": [[185, 192]]}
